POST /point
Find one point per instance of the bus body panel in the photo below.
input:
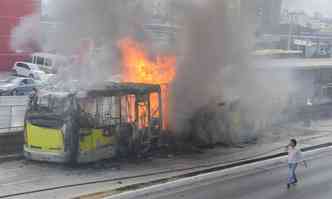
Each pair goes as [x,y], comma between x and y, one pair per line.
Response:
[95,145]
[94,139]
[46,144]
[45,139]
[44,156]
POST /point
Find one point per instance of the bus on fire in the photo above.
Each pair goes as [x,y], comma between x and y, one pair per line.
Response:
[82,127]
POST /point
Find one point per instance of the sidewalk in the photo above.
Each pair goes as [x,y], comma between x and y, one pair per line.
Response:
[21,176]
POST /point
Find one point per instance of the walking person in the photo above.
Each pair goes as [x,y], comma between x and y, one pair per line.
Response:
[294,158]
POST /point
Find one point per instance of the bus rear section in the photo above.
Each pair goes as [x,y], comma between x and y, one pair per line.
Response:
[48,123]
[54,131]
[45,144]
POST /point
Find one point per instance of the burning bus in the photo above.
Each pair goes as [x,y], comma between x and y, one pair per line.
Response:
[93,124]
[87,126]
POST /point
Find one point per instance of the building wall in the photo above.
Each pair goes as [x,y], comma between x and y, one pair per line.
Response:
[269,12]
[11,11]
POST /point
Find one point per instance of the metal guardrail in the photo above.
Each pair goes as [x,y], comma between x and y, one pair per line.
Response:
[12,111]
[14,100]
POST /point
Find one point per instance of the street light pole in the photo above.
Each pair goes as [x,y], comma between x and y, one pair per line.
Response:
[290,32]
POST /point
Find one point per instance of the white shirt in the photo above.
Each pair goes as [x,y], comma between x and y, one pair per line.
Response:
[294,155]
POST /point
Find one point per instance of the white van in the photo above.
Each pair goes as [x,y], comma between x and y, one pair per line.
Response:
[48,62]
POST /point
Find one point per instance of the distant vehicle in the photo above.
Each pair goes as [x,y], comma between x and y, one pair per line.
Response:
[17,86]
[39,64]
[26,69]
[48,62]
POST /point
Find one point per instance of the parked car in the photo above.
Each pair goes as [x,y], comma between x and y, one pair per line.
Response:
[17,86]
[26,69]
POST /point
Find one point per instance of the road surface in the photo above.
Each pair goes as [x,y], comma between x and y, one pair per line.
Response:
[23,176]
[263,182]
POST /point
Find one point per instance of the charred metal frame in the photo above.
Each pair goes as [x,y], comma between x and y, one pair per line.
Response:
[126,89]
[137,140]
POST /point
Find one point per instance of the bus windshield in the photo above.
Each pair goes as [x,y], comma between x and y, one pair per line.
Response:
[51,105]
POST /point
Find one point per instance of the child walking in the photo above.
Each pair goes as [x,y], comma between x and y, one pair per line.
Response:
[294,158]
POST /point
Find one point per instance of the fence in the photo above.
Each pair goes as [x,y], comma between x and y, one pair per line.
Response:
[12,111]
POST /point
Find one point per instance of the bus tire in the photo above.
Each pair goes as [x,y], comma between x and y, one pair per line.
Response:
[72,144]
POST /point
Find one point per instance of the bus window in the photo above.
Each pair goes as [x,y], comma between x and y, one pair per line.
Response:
[143,111]
[34,60]
[88,112]
[128,109]
[40,61]
[154,105]
[48,62]
[108,111]
[100,112]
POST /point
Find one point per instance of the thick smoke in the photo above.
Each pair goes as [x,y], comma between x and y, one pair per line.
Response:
[87,32]
[213,41]
[27,37]
[215,82]
[220,95]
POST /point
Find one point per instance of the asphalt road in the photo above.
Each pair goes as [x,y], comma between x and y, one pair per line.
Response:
[263,182]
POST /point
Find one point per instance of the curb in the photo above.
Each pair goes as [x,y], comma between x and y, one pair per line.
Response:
[11,157]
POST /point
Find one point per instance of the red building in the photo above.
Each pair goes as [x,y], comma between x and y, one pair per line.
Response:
[11,11]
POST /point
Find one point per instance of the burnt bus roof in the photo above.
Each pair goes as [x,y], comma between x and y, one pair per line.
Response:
[125,89]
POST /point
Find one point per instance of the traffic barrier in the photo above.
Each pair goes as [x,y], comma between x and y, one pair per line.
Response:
[12,111]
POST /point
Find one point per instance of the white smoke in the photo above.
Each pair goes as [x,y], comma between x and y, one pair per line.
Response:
[27,36]
[88,30]
[214,47]
[214,38]
[218,94]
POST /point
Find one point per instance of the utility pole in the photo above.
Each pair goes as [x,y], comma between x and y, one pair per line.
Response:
[291,17]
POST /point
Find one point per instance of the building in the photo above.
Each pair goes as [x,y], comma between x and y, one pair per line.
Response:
[297,83]
[304,20]
[11,11]
[269,13]
[318,24]
[298,18]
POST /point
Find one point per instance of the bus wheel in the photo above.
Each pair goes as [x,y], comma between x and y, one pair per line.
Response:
[71,144]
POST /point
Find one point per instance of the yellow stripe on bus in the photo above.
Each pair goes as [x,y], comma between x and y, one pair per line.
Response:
[94,140]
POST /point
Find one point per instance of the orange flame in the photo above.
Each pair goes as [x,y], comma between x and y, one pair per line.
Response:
[139,68]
